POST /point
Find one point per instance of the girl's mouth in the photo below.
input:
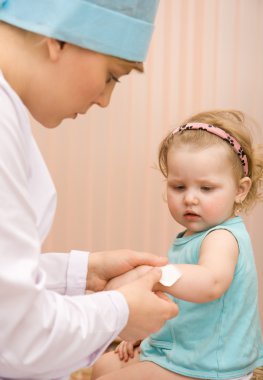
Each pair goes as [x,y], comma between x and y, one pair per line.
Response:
[190,215]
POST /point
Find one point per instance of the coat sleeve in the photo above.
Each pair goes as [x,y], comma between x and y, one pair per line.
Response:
[65,273]
[43,334]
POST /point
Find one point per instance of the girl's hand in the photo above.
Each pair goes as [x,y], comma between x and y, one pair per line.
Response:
[126,350]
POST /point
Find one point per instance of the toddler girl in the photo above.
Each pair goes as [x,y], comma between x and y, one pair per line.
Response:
[213,172]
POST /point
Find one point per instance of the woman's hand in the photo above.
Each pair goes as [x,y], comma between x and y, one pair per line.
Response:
[103,266]
[127,277]
[148,311]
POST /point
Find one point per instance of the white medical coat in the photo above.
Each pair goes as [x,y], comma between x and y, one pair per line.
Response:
[48,326]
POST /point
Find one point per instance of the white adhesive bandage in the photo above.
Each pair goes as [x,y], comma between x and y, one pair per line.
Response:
[170,274]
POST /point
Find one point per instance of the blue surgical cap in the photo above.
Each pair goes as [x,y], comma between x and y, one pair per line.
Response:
[121,28]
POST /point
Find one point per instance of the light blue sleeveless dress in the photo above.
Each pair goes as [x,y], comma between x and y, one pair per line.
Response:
[214,340]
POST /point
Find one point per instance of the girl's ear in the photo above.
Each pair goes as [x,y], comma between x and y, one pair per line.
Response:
[55,49]
[243,189]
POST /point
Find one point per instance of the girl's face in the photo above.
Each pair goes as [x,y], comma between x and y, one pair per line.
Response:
[201,187]
[70,81]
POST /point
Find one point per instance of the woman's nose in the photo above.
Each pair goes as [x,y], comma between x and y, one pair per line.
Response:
[104,98]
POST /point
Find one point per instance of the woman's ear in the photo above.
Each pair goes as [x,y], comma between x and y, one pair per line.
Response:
[55,48]
[243,189]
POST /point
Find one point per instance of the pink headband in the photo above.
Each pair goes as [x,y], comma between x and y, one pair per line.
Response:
[221,133]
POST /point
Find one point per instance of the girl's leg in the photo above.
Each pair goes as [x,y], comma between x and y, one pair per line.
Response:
[143,371]
[110,362]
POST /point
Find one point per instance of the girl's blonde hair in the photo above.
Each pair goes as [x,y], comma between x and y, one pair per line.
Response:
[234,123]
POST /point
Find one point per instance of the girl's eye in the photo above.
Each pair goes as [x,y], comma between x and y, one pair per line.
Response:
[179,188]
[206,188]
[112,77]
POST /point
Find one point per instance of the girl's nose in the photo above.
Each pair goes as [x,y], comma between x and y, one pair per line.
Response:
[191,198]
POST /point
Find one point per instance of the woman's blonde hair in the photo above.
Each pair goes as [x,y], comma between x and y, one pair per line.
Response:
[234,123]
[130,65]
[138,66]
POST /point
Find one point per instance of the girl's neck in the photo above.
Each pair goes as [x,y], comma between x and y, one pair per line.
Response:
[188,232]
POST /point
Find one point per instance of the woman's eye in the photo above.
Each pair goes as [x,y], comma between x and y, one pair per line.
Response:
[112,77]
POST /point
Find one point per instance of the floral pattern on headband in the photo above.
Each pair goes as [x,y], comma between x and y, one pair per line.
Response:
[223,135]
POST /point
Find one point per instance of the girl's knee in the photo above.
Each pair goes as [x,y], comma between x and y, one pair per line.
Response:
[111,362]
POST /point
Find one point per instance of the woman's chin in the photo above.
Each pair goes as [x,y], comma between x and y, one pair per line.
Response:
[50,123]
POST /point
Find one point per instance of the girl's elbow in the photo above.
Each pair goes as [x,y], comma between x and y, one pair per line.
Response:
[215,291]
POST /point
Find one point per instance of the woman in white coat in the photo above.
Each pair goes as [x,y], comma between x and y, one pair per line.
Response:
[57,59]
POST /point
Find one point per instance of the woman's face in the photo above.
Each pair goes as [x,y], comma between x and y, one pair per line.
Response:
[69,81]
